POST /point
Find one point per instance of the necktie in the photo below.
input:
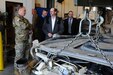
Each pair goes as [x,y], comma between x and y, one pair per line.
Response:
[69,26]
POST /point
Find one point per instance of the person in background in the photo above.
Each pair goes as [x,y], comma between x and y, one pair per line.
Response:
[22,30]
[39,34]
[71,25]
[34,21]
[53,25]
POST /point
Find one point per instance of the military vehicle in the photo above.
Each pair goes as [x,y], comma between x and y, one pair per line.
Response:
[88,53]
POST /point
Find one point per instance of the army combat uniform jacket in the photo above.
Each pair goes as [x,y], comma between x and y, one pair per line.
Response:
[22,28]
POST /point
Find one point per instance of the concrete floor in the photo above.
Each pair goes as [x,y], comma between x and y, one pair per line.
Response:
[9,70]
[9,64]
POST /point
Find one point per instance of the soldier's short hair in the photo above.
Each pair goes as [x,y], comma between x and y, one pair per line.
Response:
[20,7]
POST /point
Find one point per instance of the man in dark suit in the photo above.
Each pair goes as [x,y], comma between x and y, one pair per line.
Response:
[53,25]
[39,34]
[71,25]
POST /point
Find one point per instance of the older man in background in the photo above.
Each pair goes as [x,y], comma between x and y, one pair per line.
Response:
[71,25]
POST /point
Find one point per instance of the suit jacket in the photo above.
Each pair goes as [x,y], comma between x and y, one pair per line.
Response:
[74,27]
[38,32]
[58,27]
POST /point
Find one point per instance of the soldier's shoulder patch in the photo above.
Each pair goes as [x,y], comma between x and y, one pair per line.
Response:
[17,18]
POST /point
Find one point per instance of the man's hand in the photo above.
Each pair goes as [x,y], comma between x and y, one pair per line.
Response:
[50,34]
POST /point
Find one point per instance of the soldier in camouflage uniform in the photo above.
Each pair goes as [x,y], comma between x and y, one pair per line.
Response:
[22,31]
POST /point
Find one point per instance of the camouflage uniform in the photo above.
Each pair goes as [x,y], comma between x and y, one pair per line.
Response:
[22,28]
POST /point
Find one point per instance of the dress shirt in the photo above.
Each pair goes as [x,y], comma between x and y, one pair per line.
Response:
[53,22]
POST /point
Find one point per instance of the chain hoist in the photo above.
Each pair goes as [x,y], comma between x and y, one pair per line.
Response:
[95,42]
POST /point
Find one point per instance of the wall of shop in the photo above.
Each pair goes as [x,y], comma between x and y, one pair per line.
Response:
[66,6]
[3,4]
[41,3]
[28,4]
[63,7]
